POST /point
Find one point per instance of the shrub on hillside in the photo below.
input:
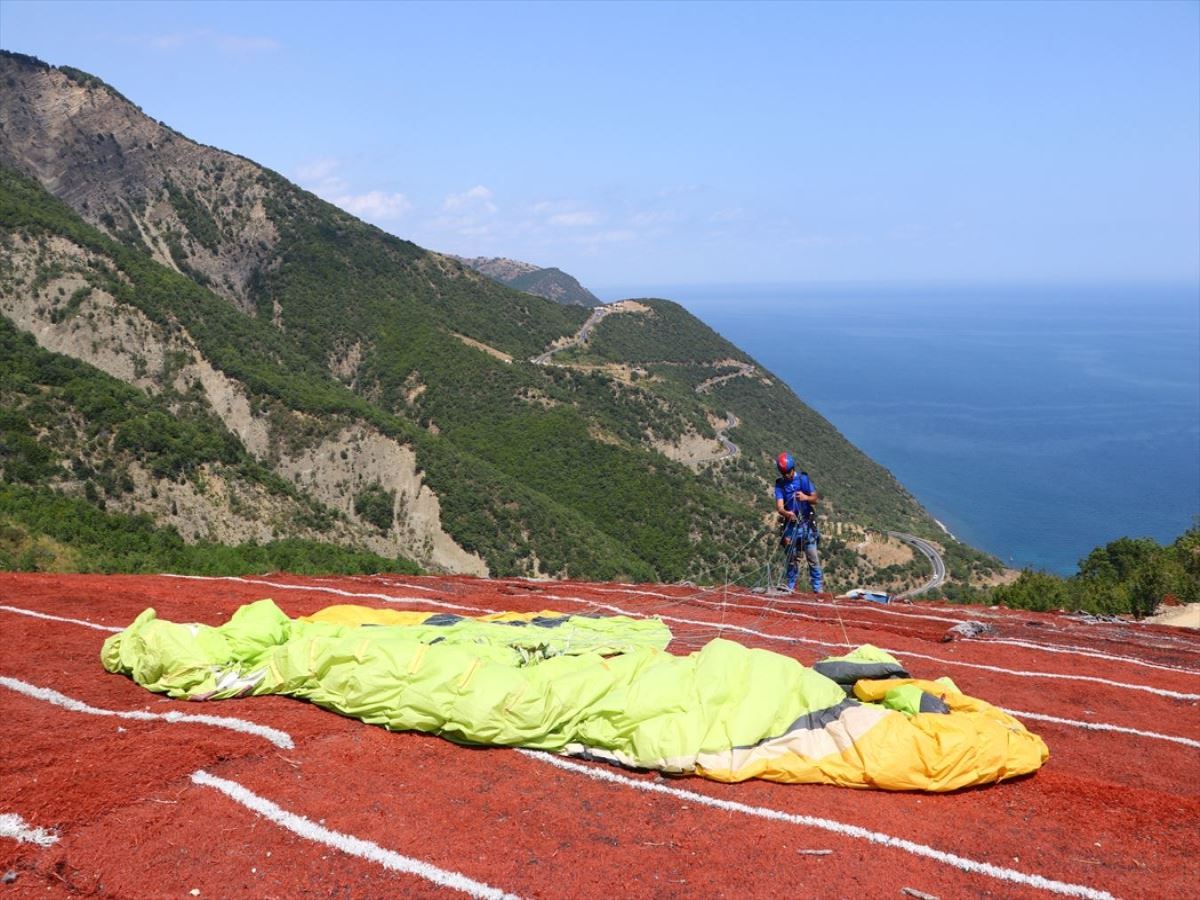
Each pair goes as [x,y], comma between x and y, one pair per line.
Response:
[375,505]
[1128,575]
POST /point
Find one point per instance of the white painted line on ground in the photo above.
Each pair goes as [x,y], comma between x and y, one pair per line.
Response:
[961,863]
[274,735]
[712,626]
[1030,645]
[1020,673]
[844,603]
[1103,726]
[676,598]
[1081,651]
[411,587]
[346,843]
[387,598]
[773,605]
[40,615]
[13,826]
[823,620]
[901,653]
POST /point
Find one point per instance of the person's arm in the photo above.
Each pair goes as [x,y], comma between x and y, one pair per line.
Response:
[779,507]
[811,496]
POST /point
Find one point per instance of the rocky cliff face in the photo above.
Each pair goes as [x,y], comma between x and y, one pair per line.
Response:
[201,212]
[551,283]
[499,268]
[46,293]
[195,209]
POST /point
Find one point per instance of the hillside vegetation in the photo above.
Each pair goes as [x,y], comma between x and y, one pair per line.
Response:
[1128,575]
[250,363]
[45,531]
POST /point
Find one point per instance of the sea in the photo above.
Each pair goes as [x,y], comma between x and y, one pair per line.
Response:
[1035,423]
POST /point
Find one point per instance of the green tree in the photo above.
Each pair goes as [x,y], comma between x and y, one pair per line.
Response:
[376,505]
[1118,560]
[1149,584]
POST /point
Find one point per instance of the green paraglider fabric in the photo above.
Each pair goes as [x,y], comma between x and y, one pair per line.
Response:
[603,687]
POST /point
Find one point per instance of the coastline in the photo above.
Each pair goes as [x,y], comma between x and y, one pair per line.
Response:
[900,373]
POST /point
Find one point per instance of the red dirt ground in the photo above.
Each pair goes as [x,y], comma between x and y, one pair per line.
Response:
[1114,812]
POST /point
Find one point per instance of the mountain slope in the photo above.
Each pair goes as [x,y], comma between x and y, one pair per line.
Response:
[387,384]
[551,283]
[499,268]
[82,293]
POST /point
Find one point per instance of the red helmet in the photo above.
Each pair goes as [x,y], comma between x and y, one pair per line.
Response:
[784,463]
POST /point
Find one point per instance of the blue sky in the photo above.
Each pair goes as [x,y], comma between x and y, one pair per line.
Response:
[698,143]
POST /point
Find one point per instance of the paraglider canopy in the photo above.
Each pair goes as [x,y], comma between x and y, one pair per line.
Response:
[601,687]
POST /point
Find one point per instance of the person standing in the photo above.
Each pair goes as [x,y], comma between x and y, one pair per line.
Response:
[794,499]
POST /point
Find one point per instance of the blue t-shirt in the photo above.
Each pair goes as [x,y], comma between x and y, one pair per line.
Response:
[786,490]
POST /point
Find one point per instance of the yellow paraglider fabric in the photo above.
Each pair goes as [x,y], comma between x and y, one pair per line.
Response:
[600,687]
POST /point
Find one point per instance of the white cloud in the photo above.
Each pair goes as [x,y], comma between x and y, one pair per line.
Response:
[477,231]
[318,170]
[679,190]
[321,177]
[612,236]
[470,213]
[239,44]
[821,241]
[651,218]
[476,200]
[374,205]
[573,219]
[162,41]
[734,214]
[562,214]
[205,37]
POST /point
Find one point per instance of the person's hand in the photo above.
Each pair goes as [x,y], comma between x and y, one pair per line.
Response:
[790,516]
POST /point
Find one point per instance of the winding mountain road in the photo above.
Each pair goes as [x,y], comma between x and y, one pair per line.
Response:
[746,370]
[732,450]
[579,337]
[931,553]
[743,370]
